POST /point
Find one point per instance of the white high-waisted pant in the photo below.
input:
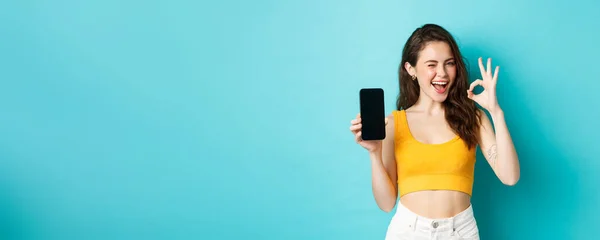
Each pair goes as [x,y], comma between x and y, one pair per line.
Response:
[407,225]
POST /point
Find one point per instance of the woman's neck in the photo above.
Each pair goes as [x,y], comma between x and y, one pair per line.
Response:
[428,106]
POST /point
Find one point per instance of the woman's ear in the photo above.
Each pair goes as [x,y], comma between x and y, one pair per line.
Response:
[410,69]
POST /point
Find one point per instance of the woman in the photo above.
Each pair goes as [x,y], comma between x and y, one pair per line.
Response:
[428,156]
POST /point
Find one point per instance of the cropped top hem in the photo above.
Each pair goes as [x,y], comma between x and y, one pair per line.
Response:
[435,182]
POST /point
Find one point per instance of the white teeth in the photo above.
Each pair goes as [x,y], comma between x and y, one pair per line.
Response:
[439,83]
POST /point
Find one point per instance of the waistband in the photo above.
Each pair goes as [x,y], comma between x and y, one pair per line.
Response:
[419,222]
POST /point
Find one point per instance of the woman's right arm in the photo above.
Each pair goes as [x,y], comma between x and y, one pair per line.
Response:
[383,163]
[383,170]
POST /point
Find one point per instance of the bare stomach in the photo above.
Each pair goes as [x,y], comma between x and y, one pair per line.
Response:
[436,204]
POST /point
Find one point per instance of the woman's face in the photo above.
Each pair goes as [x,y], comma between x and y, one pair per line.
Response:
[435,71]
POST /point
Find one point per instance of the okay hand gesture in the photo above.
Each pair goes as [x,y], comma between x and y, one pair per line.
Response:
[486,99]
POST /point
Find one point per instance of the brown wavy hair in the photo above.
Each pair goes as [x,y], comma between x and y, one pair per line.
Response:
[461,112]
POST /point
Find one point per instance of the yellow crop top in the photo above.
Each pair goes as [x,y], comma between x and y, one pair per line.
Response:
[420,166]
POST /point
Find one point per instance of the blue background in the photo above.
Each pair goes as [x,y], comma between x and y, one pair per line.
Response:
[229,119]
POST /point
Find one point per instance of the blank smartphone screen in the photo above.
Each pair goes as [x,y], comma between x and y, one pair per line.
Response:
[372,112]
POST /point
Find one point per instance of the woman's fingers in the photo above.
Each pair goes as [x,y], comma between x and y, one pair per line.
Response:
[356,127]
[486,71]
[489,67]
[355,124]
[481,67]
[474,84]
[496,73]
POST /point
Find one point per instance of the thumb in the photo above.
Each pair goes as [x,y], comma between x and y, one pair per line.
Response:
[475,84]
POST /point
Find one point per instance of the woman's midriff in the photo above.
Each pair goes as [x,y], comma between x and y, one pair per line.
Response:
[436,203]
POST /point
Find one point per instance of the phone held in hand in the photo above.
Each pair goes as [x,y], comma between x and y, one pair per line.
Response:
[372,113]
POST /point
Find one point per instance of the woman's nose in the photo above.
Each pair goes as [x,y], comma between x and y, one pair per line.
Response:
[441,72]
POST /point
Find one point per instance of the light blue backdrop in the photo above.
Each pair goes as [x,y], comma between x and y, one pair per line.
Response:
[229,120]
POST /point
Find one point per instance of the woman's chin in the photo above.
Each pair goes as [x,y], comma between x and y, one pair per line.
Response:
[438,97]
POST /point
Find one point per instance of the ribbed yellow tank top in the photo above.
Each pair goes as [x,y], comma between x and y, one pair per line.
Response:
[420,166]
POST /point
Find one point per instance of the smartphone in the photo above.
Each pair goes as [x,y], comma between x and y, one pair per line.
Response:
[372,113]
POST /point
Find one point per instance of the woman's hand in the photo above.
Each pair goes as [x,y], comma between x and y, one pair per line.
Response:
[356,129]
[486,99]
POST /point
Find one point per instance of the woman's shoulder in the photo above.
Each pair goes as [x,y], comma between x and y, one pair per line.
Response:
[395,119]
[394,114]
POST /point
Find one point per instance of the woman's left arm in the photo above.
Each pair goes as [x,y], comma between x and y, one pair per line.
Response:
[497,146]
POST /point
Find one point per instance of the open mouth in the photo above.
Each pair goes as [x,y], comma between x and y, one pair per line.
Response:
[440,86]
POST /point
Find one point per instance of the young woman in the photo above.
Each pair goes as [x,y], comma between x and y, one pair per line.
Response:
[428,156]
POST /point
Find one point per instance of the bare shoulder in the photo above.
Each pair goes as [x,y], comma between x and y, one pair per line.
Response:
[481,112]
[390,116]
[389,127]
